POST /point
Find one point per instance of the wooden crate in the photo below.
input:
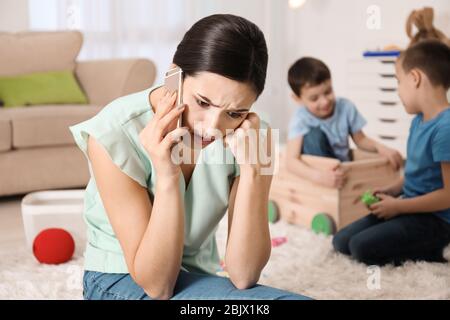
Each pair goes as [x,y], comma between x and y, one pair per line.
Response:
[298,200]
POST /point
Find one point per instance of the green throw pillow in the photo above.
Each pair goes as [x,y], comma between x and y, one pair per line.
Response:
[55,87]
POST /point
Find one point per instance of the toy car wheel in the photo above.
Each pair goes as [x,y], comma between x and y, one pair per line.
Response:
[273,212]
[323,223]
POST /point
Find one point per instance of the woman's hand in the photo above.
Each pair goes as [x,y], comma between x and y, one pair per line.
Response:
[248,244]
[161,134]
[386,208]
[247,144]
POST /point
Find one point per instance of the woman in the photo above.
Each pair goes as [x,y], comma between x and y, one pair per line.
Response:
[151,222]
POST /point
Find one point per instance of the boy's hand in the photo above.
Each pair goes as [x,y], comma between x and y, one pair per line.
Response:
[386,208]
[394,157]
[393,190]
[386,190]
[334,178]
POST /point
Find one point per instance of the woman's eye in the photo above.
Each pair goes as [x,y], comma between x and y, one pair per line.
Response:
[235,115]
[202,103]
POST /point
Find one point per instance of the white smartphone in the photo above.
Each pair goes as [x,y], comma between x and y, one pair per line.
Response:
[174,82]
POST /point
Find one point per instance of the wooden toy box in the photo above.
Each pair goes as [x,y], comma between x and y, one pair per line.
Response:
[298,200]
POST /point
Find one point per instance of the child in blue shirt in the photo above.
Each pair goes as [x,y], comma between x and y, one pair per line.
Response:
[415,226]
[322,125]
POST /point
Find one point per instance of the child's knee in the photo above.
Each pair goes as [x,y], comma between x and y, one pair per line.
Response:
[340,243]
[362,251]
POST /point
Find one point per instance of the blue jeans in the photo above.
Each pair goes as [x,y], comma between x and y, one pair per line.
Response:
[374,241]
[316,143]
[189,286]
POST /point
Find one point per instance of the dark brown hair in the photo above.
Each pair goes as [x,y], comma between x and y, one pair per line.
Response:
[432,57]
[227,45]
[307,71]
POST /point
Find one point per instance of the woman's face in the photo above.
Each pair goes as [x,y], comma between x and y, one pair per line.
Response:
[215,104]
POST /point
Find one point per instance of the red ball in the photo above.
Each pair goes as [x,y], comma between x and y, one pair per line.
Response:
[53,246]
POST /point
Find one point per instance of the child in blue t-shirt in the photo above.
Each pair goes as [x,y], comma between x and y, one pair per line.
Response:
[322,125]
[415,226]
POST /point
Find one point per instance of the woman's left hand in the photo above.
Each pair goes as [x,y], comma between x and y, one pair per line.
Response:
[248,145]
[386,208]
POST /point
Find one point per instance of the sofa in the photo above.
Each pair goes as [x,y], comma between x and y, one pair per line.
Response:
[37,151]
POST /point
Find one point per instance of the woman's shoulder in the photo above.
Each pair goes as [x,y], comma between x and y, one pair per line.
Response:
[115,117]
[116,127]
[126,108]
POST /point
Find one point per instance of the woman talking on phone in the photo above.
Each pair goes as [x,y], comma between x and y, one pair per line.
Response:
[152,222]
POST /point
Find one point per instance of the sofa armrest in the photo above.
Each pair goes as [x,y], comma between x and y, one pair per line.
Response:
[106,80]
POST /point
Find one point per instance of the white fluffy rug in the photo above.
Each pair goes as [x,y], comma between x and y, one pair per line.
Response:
[304,264]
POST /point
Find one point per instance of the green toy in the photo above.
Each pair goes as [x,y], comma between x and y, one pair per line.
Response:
[369,199]
[322,223]
[273,212]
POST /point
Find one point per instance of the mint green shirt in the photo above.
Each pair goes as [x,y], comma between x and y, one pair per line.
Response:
[116,127]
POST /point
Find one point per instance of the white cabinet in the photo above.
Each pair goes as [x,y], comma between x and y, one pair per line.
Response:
[372,86]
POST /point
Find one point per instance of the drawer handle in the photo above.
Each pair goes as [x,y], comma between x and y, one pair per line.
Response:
[388,103]
[383,137]
[388,120]
[388,89]
[387,75]
[387,61]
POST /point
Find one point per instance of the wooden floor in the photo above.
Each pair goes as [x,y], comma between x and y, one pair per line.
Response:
[11,227]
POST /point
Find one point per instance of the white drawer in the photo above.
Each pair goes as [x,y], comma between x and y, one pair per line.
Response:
[363,102]
[384,112]
[396,143]
[390,131]
[370,80]
[376,95]
[372,65]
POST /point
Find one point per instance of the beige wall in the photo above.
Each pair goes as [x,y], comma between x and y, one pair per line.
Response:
[332,30]
[13,15]
[336,31]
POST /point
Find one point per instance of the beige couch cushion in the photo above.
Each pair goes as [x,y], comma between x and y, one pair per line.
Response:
[28,52]
[5,134]
[33,169]
[40,126]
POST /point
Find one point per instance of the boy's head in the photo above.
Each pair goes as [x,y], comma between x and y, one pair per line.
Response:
[310,81]
[422,69]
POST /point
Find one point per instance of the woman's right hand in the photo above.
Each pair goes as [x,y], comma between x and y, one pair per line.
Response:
[161,133]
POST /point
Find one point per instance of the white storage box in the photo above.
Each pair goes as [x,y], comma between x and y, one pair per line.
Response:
[55,209]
